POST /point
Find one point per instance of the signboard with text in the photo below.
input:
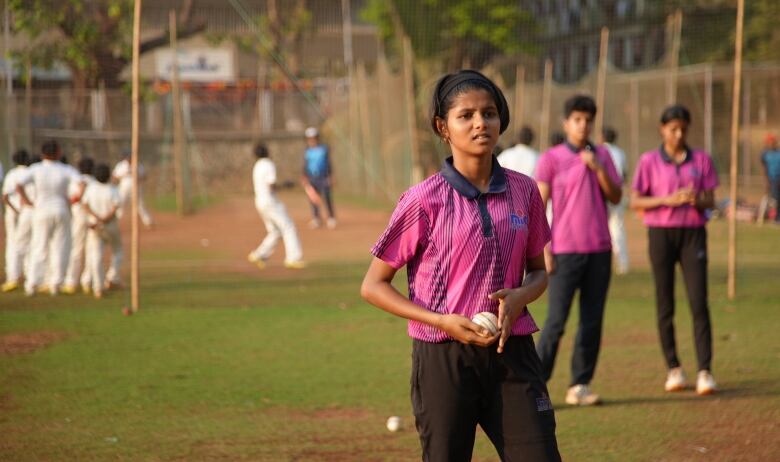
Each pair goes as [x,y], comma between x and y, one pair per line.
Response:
[197,64]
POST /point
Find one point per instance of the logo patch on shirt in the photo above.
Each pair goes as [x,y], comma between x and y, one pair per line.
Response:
[694,172]
[518,222]
[544,404]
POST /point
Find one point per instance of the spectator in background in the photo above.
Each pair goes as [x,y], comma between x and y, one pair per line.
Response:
[521,157]
[617,212]
[51,233]
[78,231]
[770,158]
[123,176]
[317,178]
[17,227]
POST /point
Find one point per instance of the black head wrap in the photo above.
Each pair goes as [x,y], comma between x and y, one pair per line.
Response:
[450,82]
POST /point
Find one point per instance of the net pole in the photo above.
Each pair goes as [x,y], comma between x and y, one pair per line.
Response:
[635,112]
[708,109]
[519,95]
[178,164]
[674,62]
[544,131]
[601,82]
[732,254]
[135,235]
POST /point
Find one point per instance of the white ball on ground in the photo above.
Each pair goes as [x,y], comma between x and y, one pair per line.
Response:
[487,320]
[394,423]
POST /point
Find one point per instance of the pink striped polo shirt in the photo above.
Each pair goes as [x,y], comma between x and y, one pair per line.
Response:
[460,245]
[579,207]
[657,175]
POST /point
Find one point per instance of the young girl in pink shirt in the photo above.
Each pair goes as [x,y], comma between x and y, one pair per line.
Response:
[674,185]
[472,239]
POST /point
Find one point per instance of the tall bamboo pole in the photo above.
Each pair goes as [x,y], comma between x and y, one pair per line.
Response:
[135,237]
[708,109]
[411,118]
[732,264]
[519,95]
[544,131]
[601,82]
[635,113]
[674,62]
[178,161]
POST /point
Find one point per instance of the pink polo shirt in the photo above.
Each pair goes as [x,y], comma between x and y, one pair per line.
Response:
[578,204]
[460,245]
[657,175]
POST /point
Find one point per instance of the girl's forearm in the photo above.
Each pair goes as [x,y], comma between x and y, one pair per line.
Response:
[383,295]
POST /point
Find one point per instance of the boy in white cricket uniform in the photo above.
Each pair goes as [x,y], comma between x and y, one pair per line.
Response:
[123,175]
[15,245]
[51,217]
[617,212]
[101,203]
[277,223]
[78,231]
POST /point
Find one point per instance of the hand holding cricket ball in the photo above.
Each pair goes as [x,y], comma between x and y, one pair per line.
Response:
[511,304]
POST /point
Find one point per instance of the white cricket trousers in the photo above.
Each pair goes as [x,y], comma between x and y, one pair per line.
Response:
[78,231]
[50,237]
[97,240]
[617,231]
[17,242]
[278,225]
[125,194]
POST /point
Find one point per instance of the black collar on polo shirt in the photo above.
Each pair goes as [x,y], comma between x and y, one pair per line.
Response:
[667,158]
[468,190]
[575,150]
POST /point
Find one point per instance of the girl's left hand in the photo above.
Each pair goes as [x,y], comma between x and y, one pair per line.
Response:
[511,303]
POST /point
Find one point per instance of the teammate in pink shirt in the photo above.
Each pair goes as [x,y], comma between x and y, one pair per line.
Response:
[580,178]
[674,186]
[472,238]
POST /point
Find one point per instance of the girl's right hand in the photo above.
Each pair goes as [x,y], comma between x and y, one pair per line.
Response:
[465,331]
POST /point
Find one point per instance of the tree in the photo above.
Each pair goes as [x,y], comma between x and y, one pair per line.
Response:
[91,37]
[459,33]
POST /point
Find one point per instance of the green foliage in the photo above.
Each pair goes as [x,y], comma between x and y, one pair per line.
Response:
[92,37]
[458,32]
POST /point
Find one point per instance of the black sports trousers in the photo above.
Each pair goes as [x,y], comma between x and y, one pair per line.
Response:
[455,387]
[590,274]
[688,246]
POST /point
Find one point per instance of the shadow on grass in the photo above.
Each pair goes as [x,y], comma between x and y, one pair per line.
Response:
[753,389]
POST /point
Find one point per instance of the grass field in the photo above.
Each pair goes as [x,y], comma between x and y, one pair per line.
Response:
[228,363]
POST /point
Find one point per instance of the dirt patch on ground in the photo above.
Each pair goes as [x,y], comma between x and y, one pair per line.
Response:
[28,342]
[221,236]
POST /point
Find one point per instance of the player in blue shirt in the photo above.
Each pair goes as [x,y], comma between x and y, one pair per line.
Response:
[771,161]
[317,178]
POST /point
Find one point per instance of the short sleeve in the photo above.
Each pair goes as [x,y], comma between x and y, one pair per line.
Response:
[406,234]
[270,173]
[709,176]
[538,228]
[545,169]
[26,177]
[9,184]
[642,178]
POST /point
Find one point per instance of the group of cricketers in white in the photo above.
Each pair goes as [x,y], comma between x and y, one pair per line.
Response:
[59,220]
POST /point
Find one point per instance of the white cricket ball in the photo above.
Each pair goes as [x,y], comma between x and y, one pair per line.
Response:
[487,320]
[394,423]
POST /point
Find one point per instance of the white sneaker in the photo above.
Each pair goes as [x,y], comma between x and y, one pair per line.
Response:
[705,384]
[315,223]
[676,380]
[581,395]
[331,223]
